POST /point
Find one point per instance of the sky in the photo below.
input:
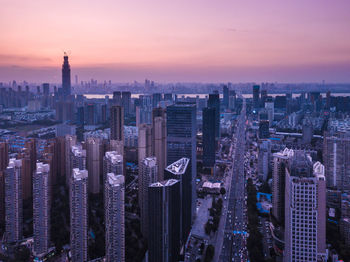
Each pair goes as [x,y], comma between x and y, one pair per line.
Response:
[176,41]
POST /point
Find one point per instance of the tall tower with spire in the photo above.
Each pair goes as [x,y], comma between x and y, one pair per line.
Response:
[66,83]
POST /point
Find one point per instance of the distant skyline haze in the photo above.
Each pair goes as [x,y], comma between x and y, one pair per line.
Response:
[176,41]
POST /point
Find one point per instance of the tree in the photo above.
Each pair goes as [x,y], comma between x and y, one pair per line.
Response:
[222,191]
[209,253]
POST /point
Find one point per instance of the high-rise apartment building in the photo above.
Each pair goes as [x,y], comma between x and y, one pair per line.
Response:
[93,155]
[180,170]
[336,157]
[114,217]
[41,209]
[208,137]
[79,215]
[117,123]
[66,82]
[4,160]
[164,221]
[112,163]
[181,140]
[148,175]
[305,210]
[78,157]
[13,201]
[68,143]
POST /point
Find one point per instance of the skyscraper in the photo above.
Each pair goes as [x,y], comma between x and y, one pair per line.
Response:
[336,157]
[214,102]
[117,123]
[4,159]
[144,141]
[225,91]
[180,170]
[79,215]
[305,210]
[256,96]
[77,160]
[148,175]
[41,209]
[126,102]
[66,83]
[68,143]
[208,137]
[159,140]
[112,163]
[181,139]
[114,217]
[164,221]
[13,201]
[280,162]
[93,155]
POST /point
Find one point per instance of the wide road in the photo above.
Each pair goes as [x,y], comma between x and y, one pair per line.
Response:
[233,247]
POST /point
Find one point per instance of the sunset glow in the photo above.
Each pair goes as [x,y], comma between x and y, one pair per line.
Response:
[176,40]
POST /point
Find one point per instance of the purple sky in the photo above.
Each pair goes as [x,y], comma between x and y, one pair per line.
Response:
[193,40]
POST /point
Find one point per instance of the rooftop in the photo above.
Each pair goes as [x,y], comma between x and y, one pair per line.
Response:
[165,183]
[41,167]
[150,161]
[178,167]
[114,157]
[78,151]
[114,180]
[13,162]
[79,174]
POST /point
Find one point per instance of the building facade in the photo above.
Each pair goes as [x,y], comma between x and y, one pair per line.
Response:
[114,217]
[41,209]
[79,215]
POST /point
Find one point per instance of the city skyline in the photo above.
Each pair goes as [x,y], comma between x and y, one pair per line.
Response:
[177,41]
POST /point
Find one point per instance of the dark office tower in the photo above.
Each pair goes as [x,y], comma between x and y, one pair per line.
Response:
[280,162]
[148,174]
[225,92]
[159,139]
[256,94]
[38,89]
[117,98]
[4,159]
[328,99]
[180,170]
[264,129]
[168,97]
[208,137]
[117,123]
[181,139]
[164,221]
[156,98]
[66,84]
[126,101]
[104,113]
[263,97]
[80,116]
[214,102]
[232,99]
[46,89]
[308,131]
